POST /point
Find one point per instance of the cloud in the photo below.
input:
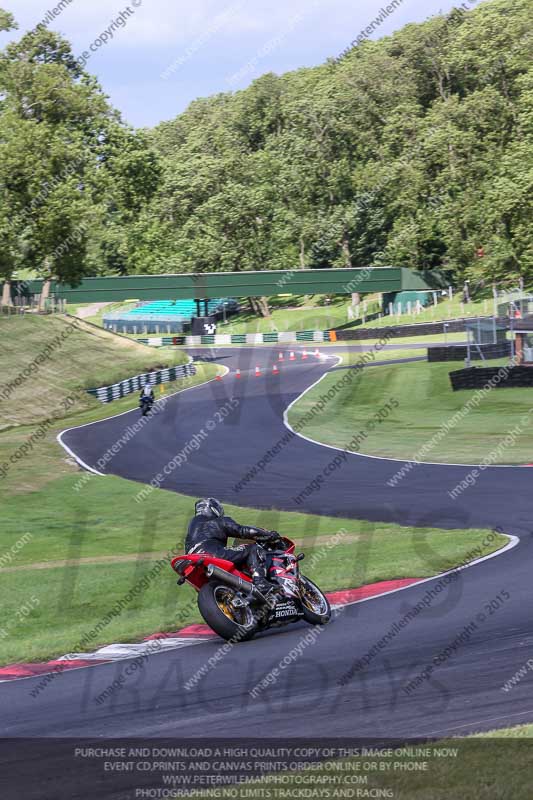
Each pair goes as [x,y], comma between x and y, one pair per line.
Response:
[206,46]
[158,22]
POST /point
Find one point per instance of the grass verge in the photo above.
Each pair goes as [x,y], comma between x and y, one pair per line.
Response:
[424,402]
[103,522]
[494,766]
[354,357]
[47,360]
[457,337]
[103,543]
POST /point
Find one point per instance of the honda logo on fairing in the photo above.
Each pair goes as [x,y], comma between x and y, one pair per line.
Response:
[286,610]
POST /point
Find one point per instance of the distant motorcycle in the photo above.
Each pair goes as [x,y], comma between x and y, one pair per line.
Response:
[235,609]
[145,404]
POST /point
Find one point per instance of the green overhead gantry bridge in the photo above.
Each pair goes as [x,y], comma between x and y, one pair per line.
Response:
[213,285]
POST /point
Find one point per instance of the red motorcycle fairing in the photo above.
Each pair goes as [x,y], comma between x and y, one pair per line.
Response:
[194,573]
[234,608]
[284,571]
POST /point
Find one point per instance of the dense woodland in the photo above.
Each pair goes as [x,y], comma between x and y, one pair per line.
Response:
[415,150]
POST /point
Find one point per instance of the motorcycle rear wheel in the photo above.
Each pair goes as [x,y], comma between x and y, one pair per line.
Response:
[315,604]
[214,602]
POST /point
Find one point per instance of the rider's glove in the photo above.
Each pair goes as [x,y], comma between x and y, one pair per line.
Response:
[266,536]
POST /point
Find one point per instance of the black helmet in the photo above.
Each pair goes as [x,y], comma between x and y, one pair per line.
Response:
[209,507]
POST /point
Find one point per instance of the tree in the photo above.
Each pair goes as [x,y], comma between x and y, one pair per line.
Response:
[68,164]
[412,150]
[7,21]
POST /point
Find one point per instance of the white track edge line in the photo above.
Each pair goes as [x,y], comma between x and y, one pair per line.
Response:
[378,458]
[514,540]
[82,463]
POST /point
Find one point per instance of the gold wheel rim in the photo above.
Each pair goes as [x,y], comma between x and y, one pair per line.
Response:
[226,609]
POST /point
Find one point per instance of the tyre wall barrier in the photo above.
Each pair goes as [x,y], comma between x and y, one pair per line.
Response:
[275,337]
[479,377]
[399,331]
[106,394]
[460,352]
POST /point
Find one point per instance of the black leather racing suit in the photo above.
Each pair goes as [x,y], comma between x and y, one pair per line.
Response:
[209,534]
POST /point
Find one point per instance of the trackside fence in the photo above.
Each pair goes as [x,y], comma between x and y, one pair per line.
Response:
[479,377]
[106,394]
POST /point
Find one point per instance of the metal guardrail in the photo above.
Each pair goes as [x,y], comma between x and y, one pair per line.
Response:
[106,394]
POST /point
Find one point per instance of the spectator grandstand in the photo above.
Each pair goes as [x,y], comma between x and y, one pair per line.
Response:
[165,316]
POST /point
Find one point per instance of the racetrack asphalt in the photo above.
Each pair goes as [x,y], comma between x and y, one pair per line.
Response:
[463,694]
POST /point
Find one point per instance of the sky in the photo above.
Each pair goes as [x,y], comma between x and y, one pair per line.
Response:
[162,54]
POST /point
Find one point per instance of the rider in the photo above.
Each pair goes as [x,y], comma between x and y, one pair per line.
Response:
[209,530]
[147,392]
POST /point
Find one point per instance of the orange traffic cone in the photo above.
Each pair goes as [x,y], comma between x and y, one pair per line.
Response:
[219,378]
[275,369]
[238,373]
[257,372]
[317,353]
[280,357]
[292,356]
[304,356]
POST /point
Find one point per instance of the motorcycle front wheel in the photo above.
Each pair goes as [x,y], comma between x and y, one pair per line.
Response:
[315,605]
[237,624]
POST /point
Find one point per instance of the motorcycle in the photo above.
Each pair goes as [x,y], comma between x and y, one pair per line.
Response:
[145,404]
[235,609]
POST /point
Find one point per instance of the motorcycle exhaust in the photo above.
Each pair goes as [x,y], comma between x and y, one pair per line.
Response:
[234,581]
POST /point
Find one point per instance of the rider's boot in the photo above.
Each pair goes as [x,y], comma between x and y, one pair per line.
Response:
[257,563]
[266,588]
